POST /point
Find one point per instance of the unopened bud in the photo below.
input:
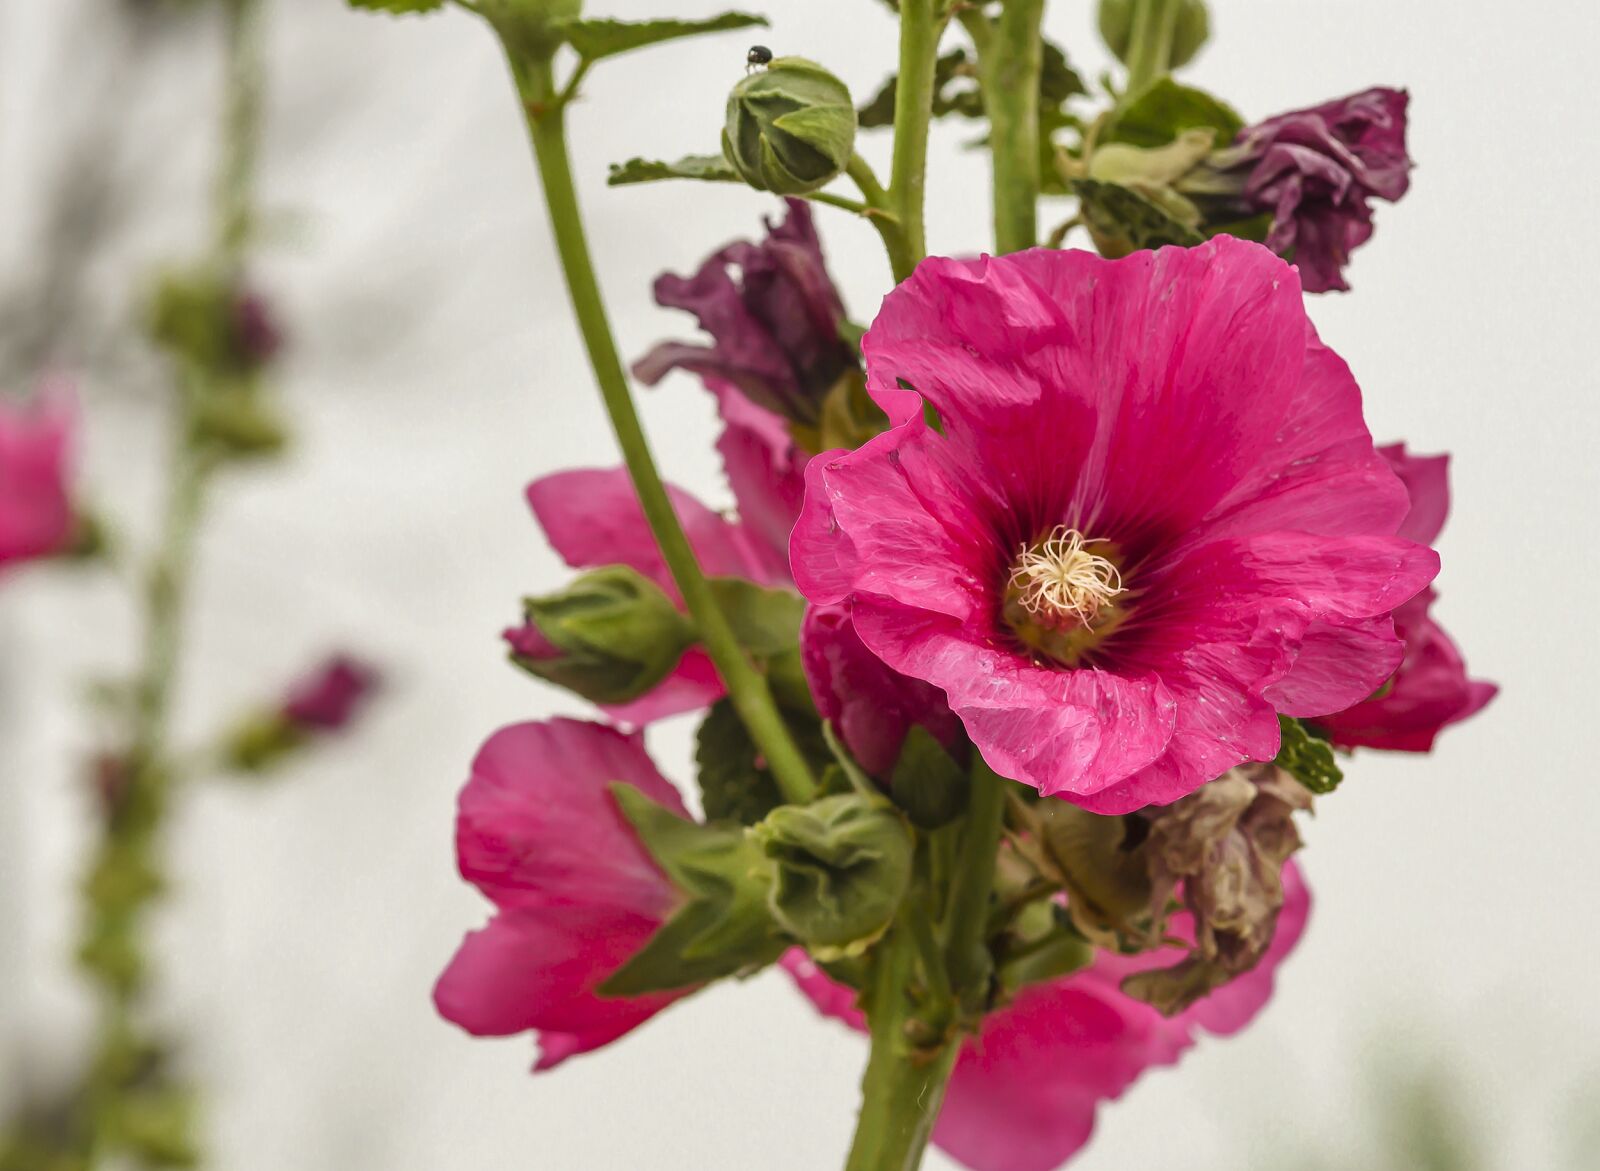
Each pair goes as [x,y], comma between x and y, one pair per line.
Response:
[790,128]
[611,636]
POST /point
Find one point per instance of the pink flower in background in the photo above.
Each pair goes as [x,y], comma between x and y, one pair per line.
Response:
[593,518]
[576,896]
[1150,519]
[775,320]
[871,705]
[1317,172]
[1430,689]
[1025,1089]
[329,698]
[36,516]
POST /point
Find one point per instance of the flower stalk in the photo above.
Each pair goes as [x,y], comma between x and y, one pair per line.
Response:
[1009,63]
[544,109]
[921,24]
[1155,25]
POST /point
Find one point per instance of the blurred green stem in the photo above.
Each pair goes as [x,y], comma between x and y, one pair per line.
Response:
[1009,64]
[545,114]
[1155,23]
[921,25]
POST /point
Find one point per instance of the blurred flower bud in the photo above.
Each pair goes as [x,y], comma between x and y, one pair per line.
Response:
[790,128]
[841,866]
[611,636]
[1193,27]
[322,702]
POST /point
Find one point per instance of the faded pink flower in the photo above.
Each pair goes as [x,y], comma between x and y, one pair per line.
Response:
[1318,170]
[329,698]
[1149,520]
[36,517]
[1025,1089]
[1430,689]
[592,517]
[576,896]
[775,320]
[871,705]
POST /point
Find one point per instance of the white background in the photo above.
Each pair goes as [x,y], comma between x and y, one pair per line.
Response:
[433,372]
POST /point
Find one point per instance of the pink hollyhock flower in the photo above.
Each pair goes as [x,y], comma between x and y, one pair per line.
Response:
[592,517]
[1317,172]
[1430,689]
[1150,517]
[1025,1089]
[871,705]
[576,896]
[36,516]
[328,699]
[776,327]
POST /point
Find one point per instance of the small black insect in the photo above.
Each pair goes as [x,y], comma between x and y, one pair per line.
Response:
[757,57]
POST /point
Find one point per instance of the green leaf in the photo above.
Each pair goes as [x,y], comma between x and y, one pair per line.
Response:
[1166,109]
[597,39]
[1058,80]
[706,168]
[399,7]
[765,621]
[723,927]
[1307,757]
[955,91]
[1123,220]
[928,783]
[732,786]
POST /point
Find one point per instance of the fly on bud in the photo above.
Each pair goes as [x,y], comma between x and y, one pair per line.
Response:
[791,127]
[757,57]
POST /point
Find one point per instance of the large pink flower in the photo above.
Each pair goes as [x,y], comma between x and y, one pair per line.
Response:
[1025,1089]
[592,517]
[36,516]
[1148,518]
[1430,689]
[575,894]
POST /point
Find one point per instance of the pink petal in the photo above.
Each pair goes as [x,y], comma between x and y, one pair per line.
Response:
[1427,481]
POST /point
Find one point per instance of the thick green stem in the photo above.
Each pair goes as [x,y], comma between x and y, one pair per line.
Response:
[1009,66]
[920,27]
[747,687]
[880,210]
[904,1085]
[971,885]
[1155,23]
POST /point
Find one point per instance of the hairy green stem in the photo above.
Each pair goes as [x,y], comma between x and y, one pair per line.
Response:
[545,114]
[903,1087]
[879,208]
[971,885]
[921,24]
[1155,23]
[1009,67]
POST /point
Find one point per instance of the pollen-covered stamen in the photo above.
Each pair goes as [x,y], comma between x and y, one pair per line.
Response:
[1059,581]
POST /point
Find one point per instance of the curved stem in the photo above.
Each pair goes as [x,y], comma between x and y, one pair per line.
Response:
[879,208]
[747,688]
[1009,66]
[920,28]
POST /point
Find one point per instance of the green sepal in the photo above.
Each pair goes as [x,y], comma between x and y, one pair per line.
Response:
[398,7]
[260,742]
[706,168]
[598,39]
[1165,110]
[928,783]
[1123,220]
[841,866]
[615,632]
[723,926]
[1307,757]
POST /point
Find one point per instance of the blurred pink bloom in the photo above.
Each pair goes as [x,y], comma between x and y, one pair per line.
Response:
[329,698]
[36,438]
[1149,520]
[256,332]
[576,896]
[871,705]
[593,518]
[1025,1089]
[1317,172]
[1430,689]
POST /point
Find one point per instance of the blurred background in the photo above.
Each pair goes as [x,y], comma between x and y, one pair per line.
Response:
[1446,984]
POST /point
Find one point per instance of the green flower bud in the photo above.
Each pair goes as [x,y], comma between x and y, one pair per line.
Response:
[791,127]
[840,868]
[611,636]
[1194,26]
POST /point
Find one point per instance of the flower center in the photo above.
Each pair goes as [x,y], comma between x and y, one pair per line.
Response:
[1062,596]
[1061,583]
